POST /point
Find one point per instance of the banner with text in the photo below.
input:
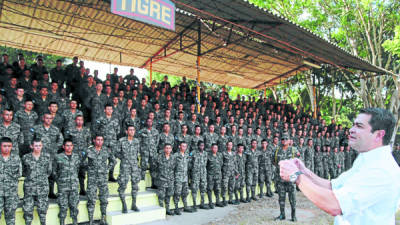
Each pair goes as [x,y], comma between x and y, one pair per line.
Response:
[156,12]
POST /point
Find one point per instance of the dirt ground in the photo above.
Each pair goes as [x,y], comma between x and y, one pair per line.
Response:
[264,210]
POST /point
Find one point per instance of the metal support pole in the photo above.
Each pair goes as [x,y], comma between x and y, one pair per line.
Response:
[198,84]
[315,98]
[151,71]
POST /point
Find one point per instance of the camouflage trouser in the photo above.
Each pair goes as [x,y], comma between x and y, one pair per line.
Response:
[333,172]
[111,144]
[214,183]
[9,204]
[239,183]
[251,179]
[102,186]
[148,161]
[264,177]
[181,190]
[126,172]
[228,183]
[326,172]
[319,170]
[199,181]
[283,188]
[67,199]
[165,190]
[42,204]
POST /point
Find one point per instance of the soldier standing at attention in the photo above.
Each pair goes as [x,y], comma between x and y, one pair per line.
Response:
[109,126]
[99,160]
[214,175]
[229,173]
[265,170]
[309,155]
[252,156]
[36,169]
[52,140]
[149,137]
[318,161]
[26,118]
[128,153]
[181,187]
[283,153]
[199,175]
[81,138]
[10,171]
[165,165]
[67,165]
[241,168]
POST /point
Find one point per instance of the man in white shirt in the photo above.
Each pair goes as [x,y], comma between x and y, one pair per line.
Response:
[369,192]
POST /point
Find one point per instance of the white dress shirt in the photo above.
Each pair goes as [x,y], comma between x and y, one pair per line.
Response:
[369,192]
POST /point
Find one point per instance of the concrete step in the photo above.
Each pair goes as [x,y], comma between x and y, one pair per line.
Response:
[146,214]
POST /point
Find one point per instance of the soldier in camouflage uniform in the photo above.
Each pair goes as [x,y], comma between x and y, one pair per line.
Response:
[165,164]
[10,171]
[211,137]
[341,160]
[81,138]
[214,175]
[198,172]
[181,187]
[229,173]
[318,161]
[196,138]
[128,153]
[67,165]
[283,153]
[309,155]
[26,118]
[183,136]
[57,117]
[12,130]
[70,115]
[252,156]
[52,140]
[36,170]
[265,169]
[149,136]
[109,126]
[335,162]
[165,137]
[131,119]
[99,161]
[97,102]
[223,138]
[241,169]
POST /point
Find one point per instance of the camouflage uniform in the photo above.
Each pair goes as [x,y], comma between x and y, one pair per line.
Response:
[187,139]
[318,163]
[251,173]
[214,177]
[128,153]
[13,131]
[81,140]
[10,171]
[265,171]
[326,162]
[209,139]
[348,160]
[222,140]
[309,157]
[26,121]
[240,181]
[229,172]
[335,164]
[148,151]
[199,175]
[110,128]
[195,141]
[99,163]
[58,121]
[97,103]
[282,186]
[165,179]
[163,139]
[181,187]
[36,186]
[66,173]
[69,119]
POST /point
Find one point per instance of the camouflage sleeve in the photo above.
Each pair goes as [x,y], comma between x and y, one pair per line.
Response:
[60,140]
[111,161]
[118,152]
[21,138]
[19,172]
[50,167]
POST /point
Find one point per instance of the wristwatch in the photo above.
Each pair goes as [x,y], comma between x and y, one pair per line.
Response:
[293,177]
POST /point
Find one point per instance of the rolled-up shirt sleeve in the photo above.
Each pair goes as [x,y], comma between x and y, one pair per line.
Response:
[361,190]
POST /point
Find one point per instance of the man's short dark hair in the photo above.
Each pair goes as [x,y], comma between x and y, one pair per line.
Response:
[381,119]
[5,140]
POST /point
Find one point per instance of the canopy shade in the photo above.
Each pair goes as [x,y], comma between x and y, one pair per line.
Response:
[239,44]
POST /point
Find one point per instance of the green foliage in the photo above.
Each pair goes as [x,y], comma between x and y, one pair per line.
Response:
[393,46]
[30,57]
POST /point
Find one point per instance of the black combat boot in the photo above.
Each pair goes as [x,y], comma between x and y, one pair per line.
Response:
[282,216]
[218,202]
[294,219]
[168,211]
[176,202]
[62,222]
[133,205]
[185,206]
[237,201]
[261,195]
[103,220]
[194,205]
[202,204]
[51,190]
[269,192]
[242,197]
[253,194]
[230,198]
[210,201]
[248,199]
[74,221]
[123,202]
[224,201]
